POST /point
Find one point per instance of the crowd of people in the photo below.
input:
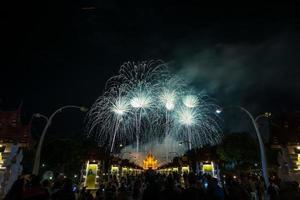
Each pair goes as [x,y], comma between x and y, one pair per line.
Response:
[153,186]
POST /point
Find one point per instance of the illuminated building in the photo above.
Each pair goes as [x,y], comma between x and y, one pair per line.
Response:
[285,138]
[208,167]
[114,170]
[150,162]
[185,169]
[13,137]
[91,174]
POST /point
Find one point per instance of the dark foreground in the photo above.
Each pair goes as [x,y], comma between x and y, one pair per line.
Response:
[152,186]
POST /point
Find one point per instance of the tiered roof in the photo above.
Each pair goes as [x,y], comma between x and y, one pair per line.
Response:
[11,128]
[150,162]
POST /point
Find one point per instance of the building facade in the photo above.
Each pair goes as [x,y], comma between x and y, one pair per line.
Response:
[285,138]
[14,136]
[150,162]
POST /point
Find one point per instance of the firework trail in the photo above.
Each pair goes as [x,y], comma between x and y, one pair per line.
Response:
[142,81]
[111,114]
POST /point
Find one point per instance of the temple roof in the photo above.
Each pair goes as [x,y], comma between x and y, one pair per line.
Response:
[150,156]
[11,128]
[9,117]
[150,162]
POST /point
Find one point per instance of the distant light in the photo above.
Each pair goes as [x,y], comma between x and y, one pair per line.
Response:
[268,114]
[218,111]
[75,175]
[121,145]
[234,177]
[83,109]
[43,165]
[298,147]
[50,177]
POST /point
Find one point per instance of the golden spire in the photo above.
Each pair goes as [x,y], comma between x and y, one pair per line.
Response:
[150,162]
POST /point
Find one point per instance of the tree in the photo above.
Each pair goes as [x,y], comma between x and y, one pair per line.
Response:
[28,159]
[239,148]
[204,153]
[66,155]
[63,156]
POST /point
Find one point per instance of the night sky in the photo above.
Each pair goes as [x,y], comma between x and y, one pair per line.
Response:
[62,52]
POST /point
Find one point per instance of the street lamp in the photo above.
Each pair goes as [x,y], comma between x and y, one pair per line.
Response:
[266,114]
[37,159]
[218,111]
[38,115]
[260,141]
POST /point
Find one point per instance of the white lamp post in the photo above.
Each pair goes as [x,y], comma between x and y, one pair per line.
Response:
[37,159]
[260,141]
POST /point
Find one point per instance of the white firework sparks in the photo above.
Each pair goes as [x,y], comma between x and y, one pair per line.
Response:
[145,101]
[190,101]
[168,98]
[199,124]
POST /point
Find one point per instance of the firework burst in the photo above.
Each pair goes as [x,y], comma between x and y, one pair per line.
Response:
[197,122]
[145,101]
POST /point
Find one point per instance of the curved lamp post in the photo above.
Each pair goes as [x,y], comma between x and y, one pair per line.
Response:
[37,159]
[260,141]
